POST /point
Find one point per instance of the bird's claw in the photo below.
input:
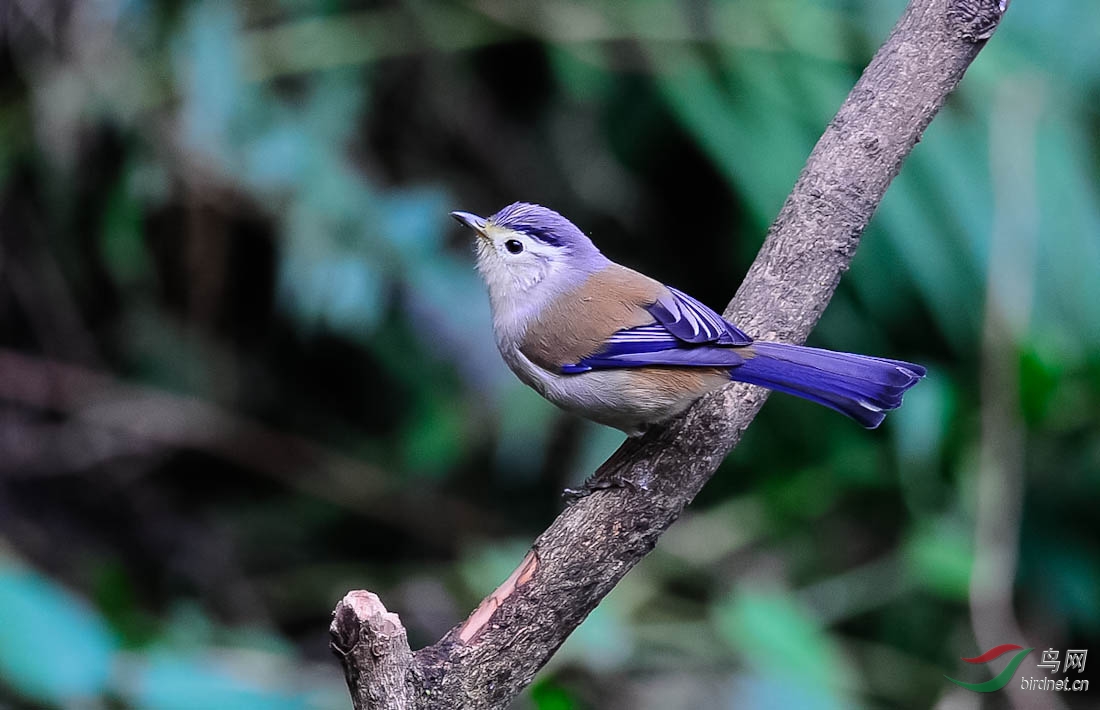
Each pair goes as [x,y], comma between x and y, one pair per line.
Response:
[601,483]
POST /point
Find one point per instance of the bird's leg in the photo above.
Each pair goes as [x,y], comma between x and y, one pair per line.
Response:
[609,475]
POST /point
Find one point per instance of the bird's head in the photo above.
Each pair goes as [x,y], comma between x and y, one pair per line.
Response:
[525,246]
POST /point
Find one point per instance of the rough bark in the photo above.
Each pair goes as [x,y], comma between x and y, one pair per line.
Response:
[485,661]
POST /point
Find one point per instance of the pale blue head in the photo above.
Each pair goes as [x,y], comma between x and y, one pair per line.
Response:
[526,245]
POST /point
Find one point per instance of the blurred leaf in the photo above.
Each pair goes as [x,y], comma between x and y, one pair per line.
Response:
[185,682]
[756,130]
[920,426]
[724,128]
[115,596]
[433,440]
[413,221]
[1075,585]
[704,537]
[1070,572]
[804,496]
[1067,298]
[603,642]
[189,627]
[14,137]
[778,638]
[1040,378]
[940,557]
[940,267]
[122,235]
[54,648]
[525,425]
[198,664]
[854,456]
[444,300]
[581,72]
[208,65]
[548,695]
[919,431]
[774,691]
[278,159]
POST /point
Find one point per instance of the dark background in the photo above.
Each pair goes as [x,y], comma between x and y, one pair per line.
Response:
[246,362]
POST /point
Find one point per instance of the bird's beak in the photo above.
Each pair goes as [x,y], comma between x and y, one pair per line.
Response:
[472,221]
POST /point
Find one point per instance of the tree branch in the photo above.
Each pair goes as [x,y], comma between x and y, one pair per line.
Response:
[495,653]
[378,657]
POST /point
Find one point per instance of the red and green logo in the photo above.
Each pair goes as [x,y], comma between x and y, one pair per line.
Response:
[1001,679]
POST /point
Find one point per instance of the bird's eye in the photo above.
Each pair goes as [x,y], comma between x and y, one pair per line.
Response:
[514,246]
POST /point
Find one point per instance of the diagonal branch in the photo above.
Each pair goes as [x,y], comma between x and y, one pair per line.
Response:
[495,653]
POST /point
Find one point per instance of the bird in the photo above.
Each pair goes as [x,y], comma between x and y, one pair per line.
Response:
[617,347]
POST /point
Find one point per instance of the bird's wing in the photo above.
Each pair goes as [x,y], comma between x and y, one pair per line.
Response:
[692,322]
[686,333]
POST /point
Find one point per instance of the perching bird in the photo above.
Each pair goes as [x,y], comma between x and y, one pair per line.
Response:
[622,349]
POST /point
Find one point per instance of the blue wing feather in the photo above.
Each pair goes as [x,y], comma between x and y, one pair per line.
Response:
[687,333]
[693,322]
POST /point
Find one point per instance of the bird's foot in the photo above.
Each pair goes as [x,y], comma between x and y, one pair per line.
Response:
[598,482]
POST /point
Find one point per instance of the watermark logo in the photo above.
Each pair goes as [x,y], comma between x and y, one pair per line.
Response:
[1075,661]
[1001,679]
[1050,660]
[1075,658]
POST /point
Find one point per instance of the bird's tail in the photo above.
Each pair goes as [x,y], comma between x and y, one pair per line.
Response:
[860,386]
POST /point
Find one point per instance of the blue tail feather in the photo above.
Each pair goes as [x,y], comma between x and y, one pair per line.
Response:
[859,386]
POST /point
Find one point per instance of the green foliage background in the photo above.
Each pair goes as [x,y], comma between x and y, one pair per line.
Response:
[230,220]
